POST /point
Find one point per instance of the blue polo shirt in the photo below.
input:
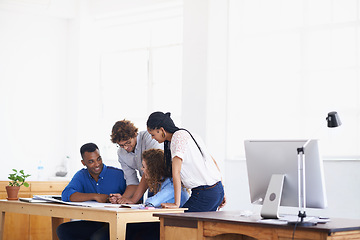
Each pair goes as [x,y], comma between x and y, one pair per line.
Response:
[111,180]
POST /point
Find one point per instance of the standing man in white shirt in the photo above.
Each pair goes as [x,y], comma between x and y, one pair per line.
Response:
[131,145]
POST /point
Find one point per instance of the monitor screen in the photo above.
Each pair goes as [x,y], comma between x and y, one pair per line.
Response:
[267,157]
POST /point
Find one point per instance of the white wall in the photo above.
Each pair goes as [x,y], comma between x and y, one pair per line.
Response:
[50,77]
[34,90]
[342,178]
[205,73]
[46,56]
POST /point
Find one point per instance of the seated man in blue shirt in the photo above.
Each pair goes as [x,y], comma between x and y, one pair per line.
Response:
[95,182]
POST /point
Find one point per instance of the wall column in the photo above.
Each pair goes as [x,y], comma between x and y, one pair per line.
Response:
[205,72]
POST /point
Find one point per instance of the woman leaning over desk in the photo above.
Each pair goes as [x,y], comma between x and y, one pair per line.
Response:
[191,164]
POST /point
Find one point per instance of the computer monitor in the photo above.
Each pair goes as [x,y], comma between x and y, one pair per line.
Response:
[267,158]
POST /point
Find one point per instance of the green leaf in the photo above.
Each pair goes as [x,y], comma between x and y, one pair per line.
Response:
[18,178]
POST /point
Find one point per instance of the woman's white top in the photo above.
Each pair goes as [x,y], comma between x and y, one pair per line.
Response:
[196,169]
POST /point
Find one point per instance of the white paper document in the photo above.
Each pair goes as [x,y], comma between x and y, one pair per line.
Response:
[32,200]
[57,199]
[50,199]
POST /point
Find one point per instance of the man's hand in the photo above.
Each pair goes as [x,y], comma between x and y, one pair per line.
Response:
[123,200]
[114,197]
[169,205]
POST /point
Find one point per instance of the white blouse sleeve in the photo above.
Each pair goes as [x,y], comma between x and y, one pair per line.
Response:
[179,144]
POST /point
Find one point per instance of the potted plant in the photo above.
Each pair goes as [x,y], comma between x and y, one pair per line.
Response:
[17,179]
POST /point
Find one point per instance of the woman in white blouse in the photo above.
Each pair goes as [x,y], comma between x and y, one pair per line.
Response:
[190,163]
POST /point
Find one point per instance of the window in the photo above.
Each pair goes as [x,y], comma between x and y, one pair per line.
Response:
[140,69]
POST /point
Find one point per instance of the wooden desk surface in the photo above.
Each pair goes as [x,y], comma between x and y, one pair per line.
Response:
[116,217]
[334,225]
[213,223]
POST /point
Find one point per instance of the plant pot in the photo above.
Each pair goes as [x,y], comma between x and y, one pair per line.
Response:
[12,192]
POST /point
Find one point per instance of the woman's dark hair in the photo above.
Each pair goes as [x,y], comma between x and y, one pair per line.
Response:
[159,120]
[88,147]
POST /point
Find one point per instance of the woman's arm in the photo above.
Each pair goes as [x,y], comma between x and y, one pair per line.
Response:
[223,203]
[129,191]
[215,163]
[140,190]
[165,194]
[176,168]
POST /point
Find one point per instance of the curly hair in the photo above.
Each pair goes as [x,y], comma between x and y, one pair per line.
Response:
[123,131]
[154,159]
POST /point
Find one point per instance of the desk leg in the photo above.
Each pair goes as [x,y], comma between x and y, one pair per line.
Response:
[117,230]
[200,230]
[55,222]
[162,229]
[2,223]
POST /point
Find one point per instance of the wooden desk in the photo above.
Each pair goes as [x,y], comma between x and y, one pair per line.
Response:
[30,227]
[230,225]
[116,217]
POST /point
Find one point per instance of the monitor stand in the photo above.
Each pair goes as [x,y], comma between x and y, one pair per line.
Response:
[271,203]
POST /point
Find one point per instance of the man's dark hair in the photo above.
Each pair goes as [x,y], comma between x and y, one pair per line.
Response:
[88,147]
